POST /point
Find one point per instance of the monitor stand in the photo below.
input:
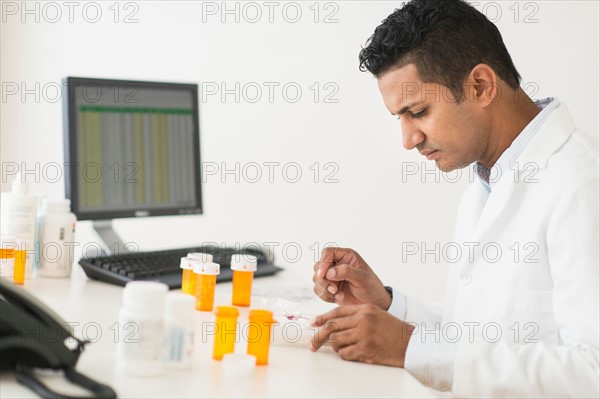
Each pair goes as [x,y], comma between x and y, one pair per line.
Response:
[110,242]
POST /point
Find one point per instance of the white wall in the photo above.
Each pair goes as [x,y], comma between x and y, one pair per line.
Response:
[370,208]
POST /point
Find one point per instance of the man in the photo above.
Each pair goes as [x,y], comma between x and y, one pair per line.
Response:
[520,322]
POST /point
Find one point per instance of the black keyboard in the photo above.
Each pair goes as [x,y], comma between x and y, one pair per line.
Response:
[163,266]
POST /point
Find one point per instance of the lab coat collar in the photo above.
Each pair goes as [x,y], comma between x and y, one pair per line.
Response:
[550,137]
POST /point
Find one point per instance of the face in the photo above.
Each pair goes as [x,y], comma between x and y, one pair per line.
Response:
[453,134]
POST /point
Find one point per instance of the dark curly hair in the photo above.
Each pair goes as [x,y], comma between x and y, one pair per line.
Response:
[445,39]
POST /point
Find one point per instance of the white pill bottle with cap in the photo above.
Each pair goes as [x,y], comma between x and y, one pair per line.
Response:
[18,218]
[141,328]
[56,235]
[179,328]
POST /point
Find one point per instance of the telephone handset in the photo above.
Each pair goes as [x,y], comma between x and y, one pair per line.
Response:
[33,336]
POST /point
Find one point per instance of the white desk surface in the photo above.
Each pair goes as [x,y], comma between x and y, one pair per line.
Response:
[293,370]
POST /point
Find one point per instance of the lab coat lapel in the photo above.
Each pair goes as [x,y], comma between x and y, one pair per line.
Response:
[550,137]
[472,205]
[495,204]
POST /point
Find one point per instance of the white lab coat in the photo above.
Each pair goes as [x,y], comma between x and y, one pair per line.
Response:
[529,318]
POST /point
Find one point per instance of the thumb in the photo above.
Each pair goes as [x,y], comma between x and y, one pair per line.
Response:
[345,272]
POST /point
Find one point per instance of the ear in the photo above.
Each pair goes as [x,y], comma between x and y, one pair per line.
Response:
[481,85]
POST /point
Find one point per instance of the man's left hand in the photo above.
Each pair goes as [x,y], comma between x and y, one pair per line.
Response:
[363,333]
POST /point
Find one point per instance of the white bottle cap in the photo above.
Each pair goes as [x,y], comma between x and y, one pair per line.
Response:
[7,239]
[60,205]
[208,258]
[238,364]
[243,262]
[150,294]
[11,242]
[206,268]
[186,263]
[180,305]
[19,185]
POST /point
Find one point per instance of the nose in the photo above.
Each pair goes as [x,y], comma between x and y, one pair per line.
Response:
[411,135]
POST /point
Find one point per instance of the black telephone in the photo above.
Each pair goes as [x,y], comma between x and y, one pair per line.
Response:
[33,336]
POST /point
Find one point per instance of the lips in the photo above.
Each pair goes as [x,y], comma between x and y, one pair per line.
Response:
[430,154]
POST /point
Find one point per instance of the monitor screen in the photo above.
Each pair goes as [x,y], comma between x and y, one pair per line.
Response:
[132,148]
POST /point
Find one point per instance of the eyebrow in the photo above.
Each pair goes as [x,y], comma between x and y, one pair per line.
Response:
[404,109]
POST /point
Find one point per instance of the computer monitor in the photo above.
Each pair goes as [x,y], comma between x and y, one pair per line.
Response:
[132,149]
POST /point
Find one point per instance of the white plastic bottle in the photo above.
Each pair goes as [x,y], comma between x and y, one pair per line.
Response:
[18,218]
[141,328]
[56,234]
[179,327]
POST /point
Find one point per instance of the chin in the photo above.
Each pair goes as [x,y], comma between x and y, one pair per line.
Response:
[446,167]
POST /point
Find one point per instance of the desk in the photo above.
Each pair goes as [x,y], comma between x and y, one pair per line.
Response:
[293,371]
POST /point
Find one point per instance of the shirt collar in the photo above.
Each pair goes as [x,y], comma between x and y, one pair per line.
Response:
[489,176]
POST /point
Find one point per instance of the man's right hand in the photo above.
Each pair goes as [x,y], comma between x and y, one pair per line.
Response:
[343,277]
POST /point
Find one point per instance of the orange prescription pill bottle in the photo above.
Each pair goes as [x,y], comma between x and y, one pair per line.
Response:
[188,278]
[243,267]
[259,335]
[206,281]
[226,321]
[13,260]
[20,259]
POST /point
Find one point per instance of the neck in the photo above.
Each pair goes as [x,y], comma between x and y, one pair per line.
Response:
[513,115]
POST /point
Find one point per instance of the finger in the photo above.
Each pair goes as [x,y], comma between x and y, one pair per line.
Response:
[336,313]
[339,298]
[352,353]
[329,257]
[345,272]
[324,285]
[322,293]
[332,326]
[320,281]
[341,339]
[332,288]
[316,267]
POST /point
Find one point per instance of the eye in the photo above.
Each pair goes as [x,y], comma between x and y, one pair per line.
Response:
[420,114]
